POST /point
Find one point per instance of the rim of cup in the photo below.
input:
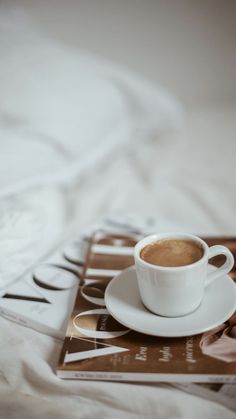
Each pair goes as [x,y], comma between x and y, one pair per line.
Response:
[159,236]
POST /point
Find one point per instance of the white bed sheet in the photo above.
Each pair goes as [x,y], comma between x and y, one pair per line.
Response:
[186,181]
[62,113]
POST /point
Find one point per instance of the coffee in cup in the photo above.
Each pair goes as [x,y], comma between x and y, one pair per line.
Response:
[172,252]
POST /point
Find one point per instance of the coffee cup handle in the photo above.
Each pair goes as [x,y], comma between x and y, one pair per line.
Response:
[223,269]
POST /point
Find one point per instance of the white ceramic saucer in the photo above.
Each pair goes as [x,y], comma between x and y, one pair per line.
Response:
[124,304]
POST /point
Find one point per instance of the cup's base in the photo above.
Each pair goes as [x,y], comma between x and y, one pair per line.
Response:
[168,315]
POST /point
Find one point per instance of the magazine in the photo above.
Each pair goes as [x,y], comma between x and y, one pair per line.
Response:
[36,298]
[97,347]
[70,257]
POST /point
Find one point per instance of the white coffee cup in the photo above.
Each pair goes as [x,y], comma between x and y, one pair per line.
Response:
[177,291]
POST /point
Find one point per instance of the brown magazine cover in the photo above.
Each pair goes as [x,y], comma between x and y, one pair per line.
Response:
[97,347]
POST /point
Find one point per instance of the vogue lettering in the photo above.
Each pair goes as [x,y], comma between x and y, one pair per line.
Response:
[104,349]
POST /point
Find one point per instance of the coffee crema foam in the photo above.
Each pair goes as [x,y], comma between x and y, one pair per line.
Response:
[172,252]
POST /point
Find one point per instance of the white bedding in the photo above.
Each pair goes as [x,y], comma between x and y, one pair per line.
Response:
[185,181]
[145,183]
[62,113]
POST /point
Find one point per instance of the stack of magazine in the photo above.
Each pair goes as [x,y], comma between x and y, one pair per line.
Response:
[96,346]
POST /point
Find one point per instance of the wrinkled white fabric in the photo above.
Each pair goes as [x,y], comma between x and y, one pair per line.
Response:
[62,111]
[203,202]
[25,222]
